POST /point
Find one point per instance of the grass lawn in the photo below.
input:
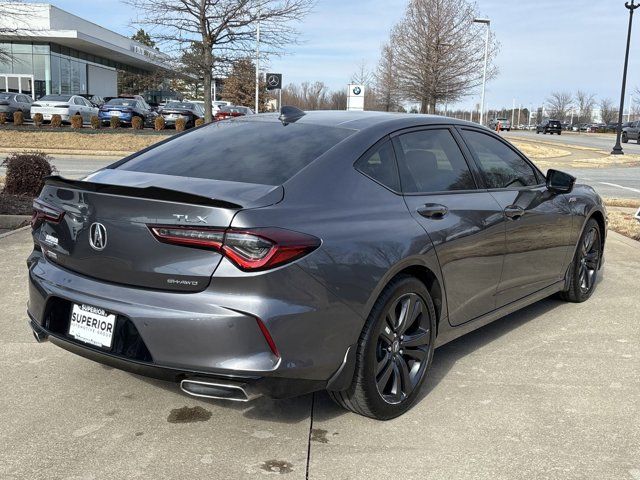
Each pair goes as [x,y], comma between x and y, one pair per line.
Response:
[105,140]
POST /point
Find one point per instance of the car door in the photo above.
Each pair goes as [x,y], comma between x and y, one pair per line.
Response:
[465,224]
[25,105]
[539,224]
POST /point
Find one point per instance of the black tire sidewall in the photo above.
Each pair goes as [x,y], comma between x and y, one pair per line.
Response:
[575,291]
[379,406]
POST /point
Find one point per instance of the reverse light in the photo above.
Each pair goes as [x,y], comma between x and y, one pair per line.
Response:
[44,212]
[250,250]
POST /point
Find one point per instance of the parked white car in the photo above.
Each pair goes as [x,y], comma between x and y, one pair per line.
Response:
[64,105]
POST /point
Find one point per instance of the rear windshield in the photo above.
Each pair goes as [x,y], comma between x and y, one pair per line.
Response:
[122,101]
[262,152]
[56,98]
[188,106]
[5,96]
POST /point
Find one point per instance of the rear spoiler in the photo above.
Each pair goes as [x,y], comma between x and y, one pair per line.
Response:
[152,193]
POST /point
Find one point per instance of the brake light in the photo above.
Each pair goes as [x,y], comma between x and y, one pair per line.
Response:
[44,212]
[250,250]
[61,106]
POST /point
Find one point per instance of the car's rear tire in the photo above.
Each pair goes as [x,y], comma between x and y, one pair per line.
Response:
[583,271]
[394,352]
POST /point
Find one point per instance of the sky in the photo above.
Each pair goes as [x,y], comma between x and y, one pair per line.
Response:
[546,45]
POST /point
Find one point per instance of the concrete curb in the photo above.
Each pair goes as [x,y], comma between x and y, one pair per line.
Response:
[559,145]
[13,232]
[626,240]
[62,151]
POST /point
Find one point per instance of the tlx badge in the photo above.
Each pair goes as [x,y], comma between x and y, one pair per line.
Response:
[190,218]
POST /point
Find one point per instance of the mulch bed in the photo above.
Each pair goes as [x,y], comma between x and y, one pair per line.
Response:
[15,204]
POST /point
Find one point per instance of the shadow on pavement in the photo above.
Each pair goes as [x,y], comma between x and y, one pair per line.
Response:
[297,409]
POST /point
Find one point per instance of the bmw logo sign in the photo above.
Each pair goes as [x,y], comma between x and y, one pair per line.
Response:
[357,90]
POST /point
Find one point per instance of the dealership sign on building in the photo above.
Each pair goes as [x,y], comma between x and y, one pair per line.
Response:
[355,97]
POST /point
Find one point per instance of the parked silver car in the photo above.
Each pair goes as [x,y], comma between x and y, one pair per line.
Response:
[64,105]
[631,132]
[13,102]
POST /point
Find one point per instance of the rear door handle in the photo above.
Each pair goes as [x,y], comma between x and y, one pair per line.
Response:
[514,212]
[433,210]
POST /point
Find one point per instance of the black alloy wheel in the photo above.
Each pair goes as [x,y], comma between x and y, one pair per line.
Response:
[394,352]
[402,348]
[583,272]
[589,259]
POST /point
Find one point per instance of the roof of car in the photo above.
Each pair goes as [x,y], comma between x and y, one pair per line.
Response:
[360,120]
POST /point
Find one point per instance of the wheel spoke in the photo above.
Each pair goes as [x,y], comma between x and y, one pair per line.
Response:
[589,278]
[588,241]
[591,259]
[396,388]
[383,379]
[387,330]
[416,353]
[407,385]
[404,313]
[383,363]
[421,337]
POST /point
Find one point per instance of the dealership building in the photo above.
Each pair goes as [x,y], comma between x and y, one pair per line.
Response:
[54,52]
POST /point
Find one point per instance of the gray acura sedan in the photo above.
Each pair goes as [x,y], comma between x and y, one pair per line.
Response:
[281,255]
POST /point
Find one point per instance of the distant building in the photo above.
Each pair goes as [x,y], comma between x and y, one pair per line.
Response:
[56,52]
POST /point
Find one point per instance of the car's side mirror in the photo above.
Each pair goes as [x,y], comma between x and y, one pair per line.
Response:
[560,182]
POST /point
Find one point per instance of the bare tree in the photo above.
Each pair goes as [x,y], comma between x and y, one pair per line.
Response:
[387,80]
[608,111]
[307,95]
[439,52]
[585,102]
[363,76]
[226,29]
[13,14]
[559,104]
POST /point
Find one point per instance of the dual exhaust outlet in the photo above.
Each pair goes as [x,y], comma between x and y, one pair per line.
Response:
[219,390]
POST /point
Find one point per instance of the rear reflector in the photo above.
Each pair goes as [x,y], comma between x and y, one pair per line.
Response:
[250,250]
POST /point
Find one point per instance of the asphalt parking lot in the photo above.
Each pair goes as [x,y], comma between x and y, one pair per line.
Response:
[549,392]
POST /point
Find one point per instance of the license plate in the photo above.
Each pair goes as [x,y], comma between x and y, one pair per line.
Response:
[92,325]
[114,113]
[46,116]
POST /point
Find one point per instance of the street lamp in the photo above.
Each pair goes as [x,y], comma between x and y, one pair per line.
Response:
[617,149]
[486,22]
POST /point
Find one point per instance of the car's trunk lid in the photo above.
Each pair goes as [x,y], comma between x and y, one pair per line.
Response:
[125,204]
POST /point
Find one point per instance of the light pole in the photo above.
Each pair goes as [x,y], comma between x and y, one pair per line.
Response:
[486,22]
[617,149]
[258,65]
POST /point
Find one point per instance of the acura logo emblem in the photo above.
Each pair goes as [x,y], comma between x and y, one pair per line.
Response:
[97,236]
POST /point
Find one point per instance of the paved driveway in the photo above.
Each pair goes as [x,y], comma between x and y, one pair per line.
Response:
[550,392]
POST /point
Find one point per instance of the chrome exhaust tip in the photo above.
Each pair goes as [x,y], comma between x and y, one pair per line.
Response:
[40,337]
[217,390]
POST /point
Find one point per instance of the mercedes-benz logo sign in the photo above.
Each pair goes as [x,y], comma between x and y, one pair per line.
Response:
[357,90]
[272,81]
[98,236]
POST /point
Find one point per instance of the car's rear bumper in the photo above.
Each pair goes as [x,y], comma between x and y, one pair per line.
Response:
[176,335]
[254,385]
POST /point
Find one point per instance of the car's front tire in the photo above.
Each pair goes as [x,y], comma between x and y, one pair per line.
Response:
[583,271]
[624,138]
[394,352]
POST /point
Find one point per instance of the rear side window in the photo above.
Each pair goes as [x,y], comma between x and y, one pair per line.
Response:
[262,152]
[501,166]
[380,165]
[431,161]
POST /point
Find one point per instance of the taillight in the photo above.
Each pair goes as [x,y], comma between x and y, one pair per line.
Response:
[61,106]
[43,212]
[250,250]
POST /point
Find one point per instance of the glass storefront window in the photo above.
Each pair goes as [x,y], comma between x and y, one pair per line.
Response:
[22,48]
[23,63]
[41,49]
[55,74]
[65,76]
